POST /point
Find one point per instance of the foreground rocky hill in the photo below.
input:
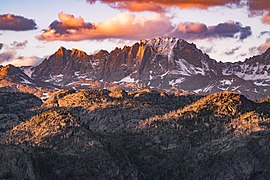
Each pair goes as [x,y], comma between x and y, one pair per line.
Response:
[144,134]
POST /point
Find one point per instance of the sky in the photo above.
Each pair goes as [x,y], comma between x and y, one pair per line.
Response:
[227,30]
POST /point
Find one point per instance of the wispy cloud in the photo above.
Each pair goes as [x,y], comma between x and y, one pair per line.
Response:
[10,55]
[232,51]
[19,45]
[12,22]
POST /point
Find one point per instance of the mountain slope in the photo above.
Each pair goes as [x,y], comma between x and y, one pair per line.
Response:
[14,79]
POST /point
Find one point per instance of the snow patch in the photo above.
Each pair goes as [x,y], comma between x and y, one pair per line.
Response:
[176,81]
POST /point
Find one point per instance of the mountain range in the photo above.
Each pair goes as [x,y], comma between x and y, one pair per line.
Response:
[153,110]
[164,64]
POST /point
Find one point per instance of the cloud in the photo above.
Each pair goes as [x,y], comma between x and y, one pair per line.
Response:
[160,5]
[266,18]
[232,51]
[126,26]
[19,45]
[258,5]
[264,33]
[10,55]
[68,24]
[263,47]
[139,7]
[230,29]
[7,56]
[12,22]
[207,49]
[25,61]
[123,26]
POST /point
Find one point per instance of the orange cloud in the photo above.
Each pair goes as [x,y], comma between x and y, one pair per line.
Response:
[266,18]
[159,5]
[70,21]
[123,26]
[139,7]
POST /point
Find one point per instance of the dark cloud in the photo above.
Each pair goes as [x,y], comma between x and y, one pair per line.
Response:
[1,45]
[223,30]
[20,45]
[230,29]
[7,56]
[264,33]
[232,51]
[16,23]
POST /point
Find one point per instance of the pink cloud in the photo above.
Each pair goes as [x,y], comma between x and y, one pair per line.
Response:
[123,26]
[230,29]
[263,47]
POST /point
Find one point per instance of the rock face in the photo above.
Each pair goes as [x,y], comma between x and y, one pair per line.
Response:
[15,163]
[141,134]
[16,108]
[62,66]
[159,63]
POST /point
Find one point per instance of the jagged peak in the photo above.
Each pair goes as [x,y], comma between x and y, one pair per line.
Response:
[61,50]
[78,52]
[9,70]
[100,53]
